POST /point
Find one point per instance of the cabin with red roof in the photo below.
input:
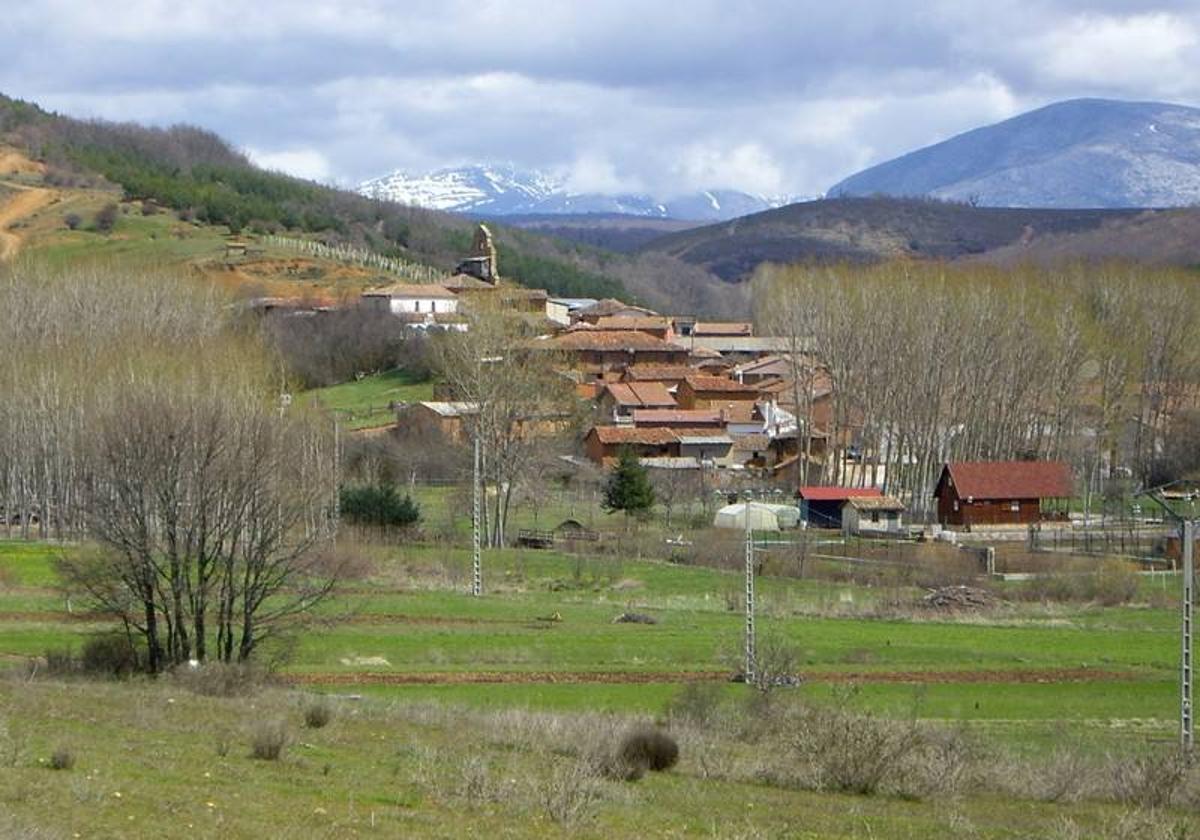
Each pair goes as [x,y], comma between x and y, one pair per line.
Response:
[1000,492]
[619,400]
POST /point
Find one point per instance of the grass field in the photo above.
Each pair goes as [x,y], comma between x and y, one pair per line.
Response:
[364,403]
[1030,676]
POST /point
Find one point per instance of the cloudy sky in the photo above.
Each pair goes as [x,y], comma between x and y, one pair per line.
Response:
[773,96]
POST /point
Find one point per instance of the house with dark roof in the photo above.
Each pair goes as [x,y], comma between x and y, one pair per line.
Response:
[603,444]
[1001,492]
[605,354]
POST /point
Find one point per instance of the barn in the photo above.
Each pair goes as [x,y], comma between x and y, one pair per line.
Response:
[1000,492]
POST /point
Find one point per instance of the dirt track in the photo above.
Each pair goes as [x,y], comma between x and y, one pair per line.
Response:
[643,677]
[26,202]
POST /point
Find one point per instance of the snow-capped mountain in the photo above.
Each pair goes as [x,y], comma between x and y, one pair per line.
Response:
[506,191]
[1078,153]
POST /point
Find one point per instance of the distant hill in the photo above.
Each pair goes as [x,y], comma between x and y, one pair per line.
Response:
[610,231]
[503,190]
[1078,153]
[865,230]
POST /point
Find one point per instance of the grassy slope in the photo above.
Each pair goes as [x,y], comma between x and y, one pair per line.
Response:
[364,403]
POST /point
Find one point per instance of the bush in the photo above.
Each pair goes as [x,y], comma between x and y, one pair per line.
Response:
[218,679]
[269,741]
[318,714]
[106,218]
[62,759]
[72,221]
[650,749]
[1148,781]
[697,704]
[60,662]
[110,654]
[377,504]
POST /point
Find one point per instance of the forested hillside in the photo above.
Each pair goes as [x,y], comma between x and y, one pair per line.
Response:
[200,177]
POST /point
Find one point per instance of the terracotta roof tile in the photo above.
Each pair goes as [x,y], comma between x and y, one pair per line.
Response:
[642,394]
[837,494]
[702,382]
[655,417]
[1011,479]
[611,340]
[653,436]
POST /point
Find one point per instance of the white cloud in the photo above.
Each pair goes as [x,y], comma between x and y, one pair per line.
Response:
[303,163]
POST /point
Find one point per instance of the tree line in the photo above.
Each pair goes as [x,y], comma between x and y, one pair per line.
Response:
[136,413]
[1093,364]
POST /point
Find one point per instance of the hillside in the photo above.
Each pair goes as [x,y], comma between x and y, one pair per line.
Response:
[1078,153]
[182,191]
[864,230]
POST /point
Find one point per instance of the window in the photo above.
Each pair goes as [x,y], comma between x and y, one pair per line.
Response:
[416,306]
[874,516]
[1015,506]
[956,504]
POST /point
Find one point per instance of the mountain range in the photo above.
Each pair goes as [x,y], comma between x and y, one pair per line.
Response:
[1075,154]
[504,190]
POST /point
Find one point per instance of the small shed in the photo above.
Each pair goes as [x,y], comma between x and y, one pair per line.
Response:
[822,506]
[872,515]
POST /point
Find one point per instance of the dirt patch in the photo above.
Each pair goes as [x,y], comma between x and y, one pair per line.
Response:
[15,163]
[26,202]
[1046,676]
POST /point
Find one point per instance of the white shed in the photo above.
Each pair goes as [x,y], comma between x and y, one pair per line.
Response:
[413,298]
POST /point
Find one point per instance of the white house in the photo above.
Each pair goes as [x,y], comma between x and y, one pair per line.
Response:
[414,299]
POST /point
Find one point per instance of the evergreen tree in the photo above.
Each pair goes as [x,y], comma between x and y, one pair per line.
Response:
[629,487]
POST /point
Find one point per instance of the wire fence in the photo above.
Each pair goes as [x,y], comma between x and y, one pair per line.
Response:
[417,272]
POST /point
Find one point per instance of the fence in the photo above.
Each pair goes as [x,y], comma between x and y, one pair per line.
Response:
[416,272]
[1130,539]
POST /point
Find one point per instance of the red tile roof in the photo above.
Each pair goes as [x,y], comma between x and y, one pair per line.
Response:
[653,436]
[837,494]
[702,382]
[641,394]
[621,322]
[610,340]
[654,417]
[658,373]
[1011,479]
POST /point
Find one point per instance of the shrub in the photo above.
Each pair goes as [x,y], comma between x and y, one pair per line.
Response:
[60,662]
[1149,780]
[106,218]
[218,679]
[697,704]
[318,713]
[568,796]
[110,654]
[149,208]
[72,221]
[854,753]
[62,759]
[377,504]
[649,748]
[269,741]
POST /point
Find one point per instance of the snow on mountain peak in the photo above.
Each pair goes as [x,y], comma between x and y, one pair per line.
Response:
[504,190]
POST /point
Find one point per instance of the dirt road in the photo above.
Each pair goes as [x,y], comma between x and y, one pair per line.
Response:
[25,202]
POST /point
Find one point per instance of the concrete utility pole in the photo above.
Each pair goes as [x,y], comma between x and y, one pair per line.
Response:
[1188,534]
[750,668]
[476,518]
[1187,541]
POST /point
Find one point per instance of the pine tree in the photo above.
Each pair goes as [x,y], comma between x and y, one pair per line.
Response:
[629,487]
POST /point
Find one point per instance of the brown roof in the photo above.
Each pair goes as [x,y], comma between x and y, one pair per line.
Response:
[876,503]
[658,373]
[1010,479]
[654,417]
[702,382]
[412,290]
[722,328]
[648,322]
[610,340]
[643,394]
[751,443]
[652,435]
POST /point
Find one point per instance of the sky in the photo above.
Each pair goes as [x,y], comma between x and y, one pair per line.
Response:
[768,96]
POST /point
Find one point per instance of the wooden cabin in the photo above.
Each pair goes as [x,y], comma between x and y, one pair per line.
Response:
[1001,492]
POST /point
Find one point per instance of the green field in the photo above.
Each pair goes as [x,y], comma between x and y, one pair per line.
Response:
[1029,676]
[364,403]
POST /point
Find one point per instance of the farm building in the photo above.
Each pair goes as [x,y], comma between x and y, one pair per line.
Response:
[872,515]
[413,298]
[603,444]
[1000,492]
[822,506]
[654,325]
[605,354]
[610,307]
[703,391]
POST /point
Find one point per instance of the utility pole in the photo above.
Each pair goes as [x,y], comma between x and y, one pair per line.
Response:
[1188,534]
[1187,540]
[750,668]
[476,517]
